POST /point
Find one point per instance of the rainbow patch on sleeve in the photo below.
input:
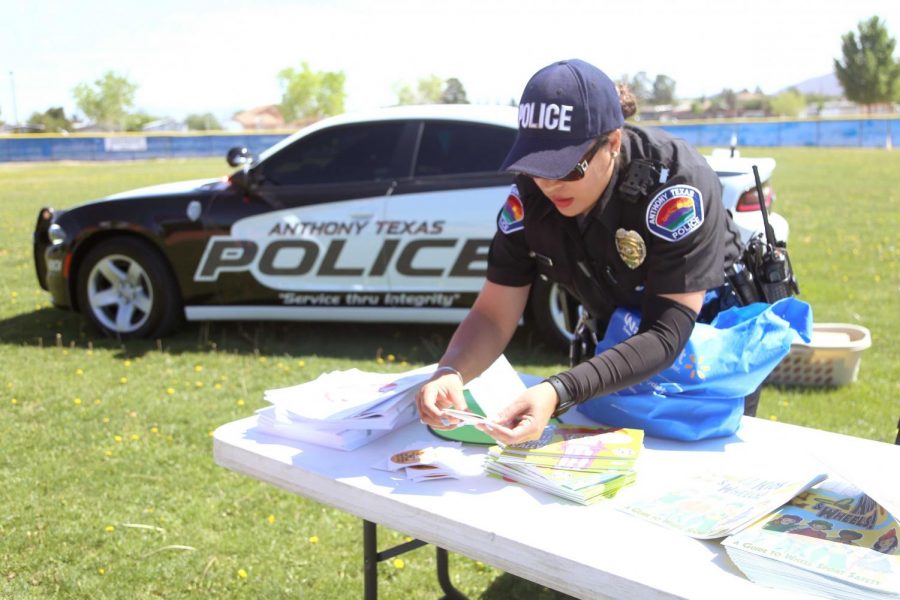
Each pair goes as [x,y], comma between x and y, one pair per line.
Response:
[512,215]
[675,212]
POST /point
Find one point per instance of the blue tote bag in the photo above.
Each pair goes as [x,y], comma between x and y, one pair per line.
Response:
[702,394]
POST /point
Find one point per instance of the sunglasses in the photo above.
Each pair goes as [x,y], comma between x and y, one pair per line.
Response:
[581,167]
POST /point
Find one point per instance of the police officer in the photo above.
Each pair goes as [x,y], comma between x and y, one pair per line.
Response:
[618,215]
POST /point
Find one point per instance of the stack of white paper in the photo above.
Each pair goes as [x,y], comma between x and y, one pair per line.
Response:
[343,409]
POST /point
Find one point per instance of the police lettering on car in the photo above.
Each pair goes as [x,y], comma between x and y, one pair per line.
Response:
[630,222]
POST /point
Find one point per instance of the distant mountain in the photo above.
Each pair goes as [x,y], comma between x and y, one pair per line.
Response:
[827,85]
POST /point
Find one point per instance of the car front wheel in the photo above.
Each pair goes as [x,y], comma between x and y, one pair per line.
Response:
[125,290]
[548,313]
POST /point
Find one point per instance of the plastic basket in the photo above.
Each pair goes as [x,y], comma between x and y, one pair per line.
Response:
[830,359]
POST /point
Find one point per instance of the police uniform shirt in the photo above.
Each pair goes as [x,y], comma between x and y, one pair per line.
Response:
[678,219]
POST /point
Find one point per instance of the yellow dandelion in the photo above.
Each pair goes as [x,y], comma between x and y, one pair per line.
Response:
[101,571]
[135,437]
[398,563]
[127,363]
[123,380]
[132,414]
[313,539]
[210,433]
[13,401]
[154,430]
[97,401]
[271,519]
[785,403]
[109,529]
[76,401]
[301,363]
[170,391]
[108,453]
[240,401]
[223,377]
[198,368]
[9,386]
[79,372]
[105,419]
[242,573]
[773,417]
[198,384]
[280,365]
[118,439]
[391,358]
[217,386]
[379,360]
[263,359]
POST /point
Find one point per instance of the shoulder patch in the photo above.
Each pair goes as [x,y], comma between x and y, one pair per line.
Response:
[675,212]
[512,215]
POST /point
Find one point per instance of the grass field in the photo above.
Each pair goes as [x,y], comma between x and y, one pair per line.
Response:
[110,490]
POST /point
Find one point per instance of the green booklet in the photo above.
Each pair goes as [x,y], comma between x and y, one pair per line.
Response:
[577,486]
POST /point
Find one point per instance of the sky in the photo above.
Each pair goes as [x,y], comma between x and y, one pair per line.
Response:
[222,56]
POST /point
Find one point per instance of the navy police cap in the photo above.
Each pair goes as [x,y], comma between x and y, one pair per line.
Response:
[564,108]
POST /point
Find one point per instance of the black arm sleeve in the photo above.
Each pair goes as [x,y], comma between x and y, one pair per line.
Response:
[665,328]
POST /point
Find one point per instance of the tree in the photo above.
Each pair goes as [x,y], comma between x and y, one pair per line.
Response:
[108,101]
[454,92]
[308,93]
[868,72]
[137,121]
[52,120]
[726,99]
[663,90]
[429,90]
[788,104]
[204,122]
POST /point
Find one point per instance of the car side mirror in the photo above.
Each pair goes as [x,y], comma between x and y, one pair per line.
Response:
[238,156]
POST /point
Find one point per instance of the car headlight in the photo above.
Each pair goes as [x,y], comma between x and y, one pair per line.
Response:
[56,234]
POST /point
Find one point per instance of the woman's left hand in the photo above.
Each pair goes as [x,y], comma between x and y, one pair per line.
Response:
[524,419]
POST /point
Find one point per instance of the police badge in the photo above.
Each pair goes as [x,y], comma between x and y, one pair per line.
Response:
[631,247]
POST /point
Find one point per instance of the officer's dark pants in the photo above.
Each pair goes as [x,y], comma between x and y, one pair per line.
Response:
[751,402]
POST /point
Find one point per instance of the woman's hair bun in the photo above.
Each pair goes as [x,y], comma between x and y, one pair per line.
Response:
[627,100]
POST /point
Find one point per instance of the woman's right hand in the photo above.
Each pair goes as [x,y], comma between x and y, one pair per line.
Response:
[444,390]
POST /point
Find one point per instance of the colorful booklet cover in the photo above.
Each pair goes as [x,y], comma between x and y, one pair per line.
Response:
[593,448]
[716,504]
[580,463]
[833,540]
[580,487]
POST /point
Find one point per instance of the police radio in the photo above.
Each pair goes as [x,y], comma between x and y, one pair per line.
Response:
[768,270]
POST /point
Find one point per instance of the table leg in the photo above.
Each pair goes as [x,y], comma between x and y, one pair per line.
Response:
[371,558]
[443,573]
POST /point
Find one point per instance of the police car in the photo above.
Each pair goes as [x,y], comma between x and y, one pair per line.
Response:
[384,216]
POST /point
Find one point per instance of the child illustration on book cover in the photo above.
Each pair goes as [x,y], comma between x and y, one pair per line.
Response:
[816,529]
[783,523]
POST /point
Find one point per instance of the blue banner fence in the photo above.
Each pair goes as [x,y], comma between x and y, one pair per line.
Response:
[859,132]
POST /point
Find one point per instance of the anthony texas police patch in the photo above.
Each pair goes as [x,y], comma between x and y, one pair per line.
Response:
[512,215]
[675,212]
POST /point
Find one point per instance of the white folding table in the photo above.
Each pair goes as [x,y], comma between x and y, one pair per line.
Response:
[585,551]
